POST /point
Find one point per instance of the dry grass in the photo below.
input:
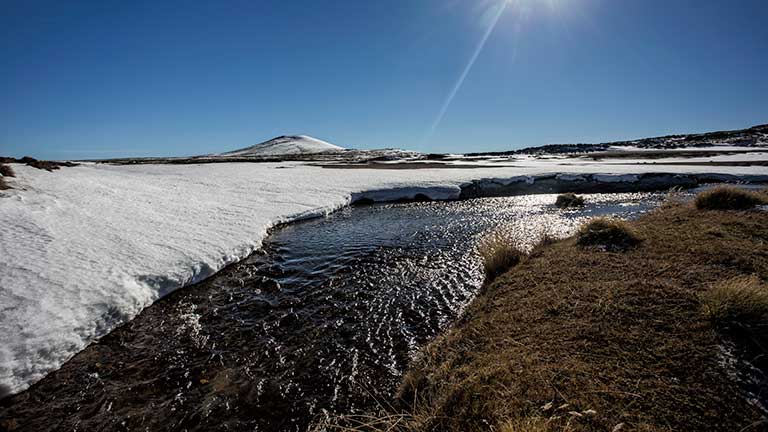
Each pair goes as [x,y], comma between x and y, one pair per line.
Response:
[741,300]
[568,200]
[729,198]
[6,171]
[368,423]
[608,234]
[674,198]
[410,422]
[527,424]
[499,253]
[39,164]
[576,339]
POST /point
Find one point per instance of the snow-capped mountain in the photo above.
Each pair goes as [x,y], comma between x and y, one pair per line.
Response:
[287,145]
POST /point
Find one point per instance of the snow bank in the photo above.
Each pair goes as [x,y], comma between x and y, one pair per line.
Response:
[85,249]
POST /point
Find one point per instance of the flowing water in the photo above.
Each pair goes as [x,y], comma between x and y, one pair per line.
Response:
[323,320]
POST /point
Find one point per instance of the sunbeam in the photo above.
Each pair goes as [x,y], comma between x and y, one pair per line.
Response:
[452,94]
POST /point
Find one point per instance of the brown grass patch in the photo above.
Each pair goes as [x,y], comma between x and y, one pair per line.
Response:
[499,253]
[576,339]
[526,424]
[568,200]
[729,198]
[6,171]
[608,234]
[741,300]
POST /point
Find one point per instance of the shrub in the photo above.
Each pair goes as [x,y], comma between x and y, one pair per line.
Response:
[499,253]
[607,233]
[569,199]
[6,171]
[3,184]
[741,300]
[728,198]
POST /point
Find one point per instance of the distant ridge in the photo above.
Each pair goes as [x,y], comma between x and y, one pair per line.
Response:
[755,136]
[287,145]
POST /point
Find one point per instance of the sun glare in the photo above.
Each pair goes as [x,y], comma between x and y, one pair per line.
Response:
[493,11]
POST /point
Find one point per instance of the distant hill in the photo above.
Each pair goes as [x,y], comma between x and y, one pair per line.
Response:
[287,145]
[756,136]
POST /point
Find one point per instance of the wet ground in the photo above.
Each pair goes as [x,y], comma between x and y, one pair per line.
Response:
[323,320]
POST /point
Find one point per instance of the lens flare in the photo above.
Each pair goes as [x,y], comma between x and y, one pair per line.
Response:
[522,9]
[455,89]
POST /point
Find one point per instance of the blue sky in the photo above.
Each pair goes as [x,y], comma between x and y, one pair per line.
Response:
[99,79]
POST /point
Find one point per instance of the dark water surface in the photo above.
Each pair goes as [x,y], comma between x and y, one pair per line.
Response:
[323,320]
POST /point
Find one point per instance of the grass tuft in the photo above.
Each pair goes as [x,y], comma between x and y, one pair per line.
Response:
[499,253]
[607,233]
[568,200]
[526,424]
[728,198]
[741,300]
[6,171]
